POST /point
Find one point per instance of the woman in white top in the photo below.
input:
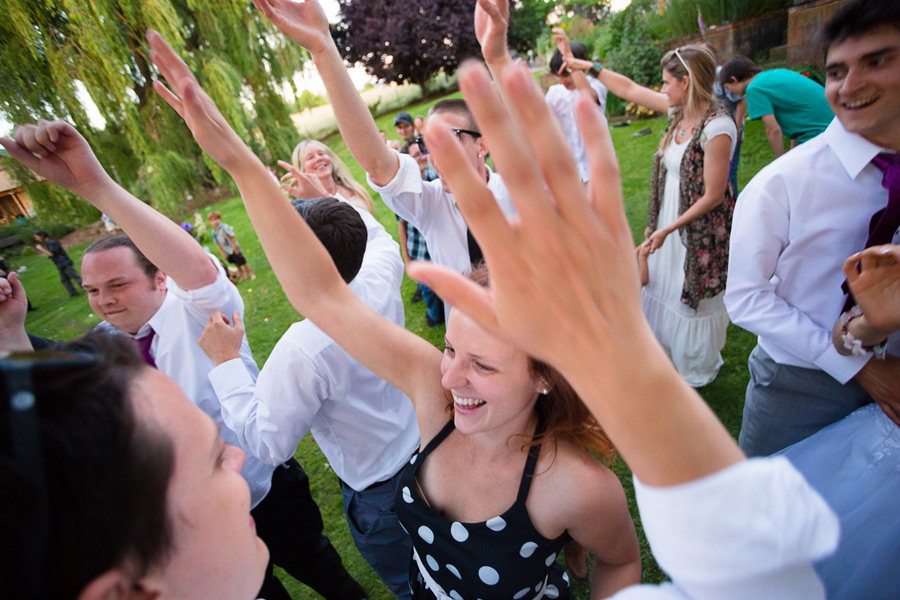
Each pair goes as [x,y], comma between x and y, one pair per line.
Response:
[314,158]
[689,195]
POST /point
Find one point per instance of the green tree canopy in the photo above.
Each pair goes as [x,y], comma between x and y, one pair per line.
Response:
[49,49]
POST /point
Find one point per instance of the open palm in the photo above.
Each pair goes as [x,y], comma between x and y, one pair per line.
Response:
[187,98]
[303,22]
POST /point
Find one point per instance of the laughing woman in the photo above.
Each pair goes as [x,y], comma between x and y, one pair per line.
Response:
[315,159]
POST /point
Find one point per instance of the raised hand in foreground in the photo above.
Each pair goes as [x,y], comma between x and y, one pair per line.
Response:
[546,298]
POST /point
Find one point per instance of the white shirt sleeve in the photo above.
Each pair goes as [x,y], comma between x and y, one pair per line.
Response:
[406,194]
[722,125]
[748,532]
[760,232]
[221,295]
[271,417]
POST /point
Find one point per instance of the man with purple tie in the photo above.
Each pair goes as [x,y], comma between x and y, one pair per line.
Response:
[795,224]
[157,285]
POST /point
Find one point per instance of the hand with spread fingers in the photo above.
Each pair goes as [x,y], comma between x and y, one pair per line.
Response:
[200,114]
[548,296]
[299,184]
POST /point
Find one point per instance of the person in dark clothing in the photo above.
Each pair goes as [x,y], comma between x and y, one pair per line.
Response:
[55,252]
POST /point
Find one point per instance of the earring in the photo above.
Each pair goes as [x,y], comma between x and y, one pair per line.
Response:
[545,391]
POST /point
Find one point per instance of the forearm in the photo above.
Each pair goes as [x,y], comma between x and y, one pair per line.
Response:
[625,88]
[164,243]
[776,140]
[860,329]
[357,127]
[703,205]
[608,579]
[15,340]
[303,266]
[401,232]
[583,85]
[662,428]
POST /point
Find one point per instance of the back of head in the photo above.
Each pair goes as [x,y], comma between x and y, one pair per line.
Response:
[105,472]
[340,229]
[578,51]
[120,240]
[857,18]
[740,68]
[455,106]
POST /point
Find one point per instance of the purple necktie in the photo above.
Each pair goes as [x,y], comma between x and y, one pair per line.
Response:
[885,221]
[143,345]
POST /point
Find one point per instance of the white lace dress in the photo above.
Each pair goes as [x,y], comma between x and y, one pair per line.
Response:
[693,339]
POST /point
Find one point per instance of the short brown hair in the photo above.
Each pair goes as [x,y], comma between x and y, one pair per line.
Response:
[214,214]
[120,240]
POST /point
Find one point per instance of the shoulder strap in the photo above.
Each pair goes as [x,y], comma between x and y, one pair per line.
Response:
[436,440]
[530,463]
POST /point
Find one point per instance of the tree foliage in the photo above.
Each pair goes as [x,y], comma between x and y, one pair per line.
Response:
[629,46]
[406,40]
[527,23]
[52,49]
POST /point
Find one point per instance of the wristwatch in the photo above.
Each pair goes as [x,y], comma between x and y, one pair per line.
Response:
[596,68]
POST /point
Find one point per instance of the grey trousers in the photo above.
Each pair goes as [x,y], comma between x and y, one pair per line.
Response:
[785,404]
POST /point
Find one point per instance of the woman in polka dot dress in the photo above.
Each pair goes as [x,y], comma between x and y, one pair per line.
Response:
[500,488]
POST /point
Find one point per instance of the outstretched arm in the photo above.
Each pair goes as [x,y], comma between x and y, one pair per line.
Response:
[625,88]
[578,68]
[57,152]
[305,23]
[303,266]
[592,329]
[491,27]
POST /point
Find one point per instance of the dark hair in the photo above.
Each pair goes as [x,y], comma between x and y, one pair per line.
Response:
[120,240]
[340,229]
[42,234]
[106,471]
[740,68]
[857,18]
[578,51]
[563,412]
[456,106]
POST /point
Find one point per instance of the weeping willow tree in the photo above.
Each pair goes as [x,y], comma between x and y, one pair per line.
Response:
[52,52]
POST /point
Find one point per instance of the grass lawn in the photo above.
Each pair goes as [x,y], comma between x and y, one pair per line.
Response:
[268,314]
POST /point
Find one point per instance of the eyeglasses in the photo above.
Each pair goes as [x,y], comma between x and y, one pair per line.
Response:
[420,141]
[18,370]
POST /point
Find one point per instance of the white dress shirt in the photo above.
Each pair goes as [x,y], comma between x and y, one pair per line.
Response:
[562,102]
[427,207]
[748,532]
[365,427]
[178,325]
[795,224]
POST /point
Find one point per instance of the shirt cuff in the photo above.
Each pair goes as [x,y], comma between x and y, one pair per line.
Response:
[407,180]
[840,367]
[229,376]
[740,531]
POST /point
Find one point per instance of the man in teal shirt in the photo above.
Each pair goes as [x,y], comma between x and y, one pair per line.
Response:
[788,103]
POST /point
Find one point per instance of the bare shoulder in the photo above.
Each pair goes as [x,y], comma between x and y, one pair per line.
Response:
[570,484]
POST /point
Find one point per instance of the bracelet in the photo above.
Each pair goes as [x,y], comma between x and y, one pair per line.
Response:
[854,345]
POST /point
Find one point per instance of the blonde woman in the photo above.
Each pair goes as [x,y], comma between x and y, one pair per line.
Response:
[312,158]
[689,194]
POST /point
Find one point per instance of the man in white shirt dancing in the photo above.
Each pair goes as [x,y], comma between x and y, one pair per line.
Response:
[796,223]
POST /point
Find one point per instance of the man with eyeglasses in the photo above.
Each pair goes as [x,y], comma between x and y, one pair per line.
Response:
[428,205]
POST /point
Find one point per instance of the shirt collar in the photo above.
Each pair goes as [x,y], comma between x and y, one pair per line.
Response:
[852,150]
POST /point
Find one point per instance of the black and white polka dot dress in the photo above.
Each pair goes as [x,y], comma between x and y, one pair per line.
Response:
[503,557]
